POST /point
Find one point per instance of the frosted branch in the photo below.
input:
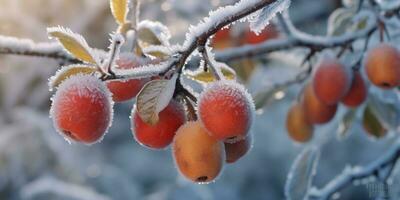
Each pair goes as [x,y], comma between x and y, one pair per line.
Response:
[350,174]
[295,38]
[26,47]
[200,33]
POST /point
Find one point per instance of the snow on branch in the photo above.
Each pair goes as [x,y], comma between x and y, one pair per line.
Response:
[383,164]
[296,38]
[16,46]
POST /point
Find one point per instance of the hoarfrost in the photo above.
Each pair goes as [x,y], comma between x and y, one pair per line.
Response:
[260,19]
[83,86]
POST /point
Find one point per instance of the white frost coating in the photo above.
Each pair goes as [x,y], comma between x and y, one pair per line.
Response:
[231,88]
[166,50]
[300,177]
[165,97]
[60,71]
[84,85]
[260,19]
[116,40]
[144,71]
[215,17]
[77,37]
[26,45]
[161,31]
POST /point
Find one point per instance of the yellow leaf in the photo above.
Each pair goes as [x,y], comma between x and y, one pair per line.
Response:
[74,43]
[147,37]
[207,76]
[157,51]
[119,9]
[68,71]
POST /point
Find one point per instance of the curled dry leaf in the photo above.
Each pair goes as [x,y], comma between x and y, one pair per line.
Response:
[68,71]
[153,98]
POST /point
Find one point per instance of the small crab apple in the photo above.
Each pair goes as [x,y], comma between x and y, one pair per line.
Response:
[297,125]
[160,135]
[382,65]
[82,109]
[357,93]
[226,110]
[331,81]
[124,90]
[198,156]
[235,151]
[316,111]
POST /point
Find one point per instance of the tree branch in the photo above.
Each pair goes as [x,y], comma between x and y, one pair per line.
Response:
[386,161]
[26,47]
[295,38]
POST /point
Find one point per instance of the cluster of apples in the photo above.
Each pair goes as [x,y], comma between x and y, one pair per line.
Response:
[82,111]
[333,83]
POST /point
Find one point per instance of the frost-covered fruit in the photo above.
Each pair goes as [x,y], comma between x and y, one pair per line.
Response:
[331,81]
[357,93]
[82,109]
[382,65]
[297,125]
[124,90]
[316,111]
[235,151]
[160,135]
[226,110]
[198,156]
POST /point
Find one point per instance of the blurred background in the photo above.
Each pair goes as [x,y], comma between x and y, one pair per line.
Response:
[37,163]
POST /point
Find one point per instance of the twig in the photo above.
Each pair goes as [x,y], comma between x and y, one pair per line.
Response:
[26,47]
[295,38]
[388,159]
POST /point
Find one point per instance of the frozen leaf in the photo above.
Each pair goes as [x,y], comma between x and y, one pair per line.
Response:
[68,71]
[386,110]
[301,174]
[346,123]
[208,76]
[372,124]
[153,33]
[74,43]
[119,9]
[339,21]
[263,17]
[157,51]
[153,98]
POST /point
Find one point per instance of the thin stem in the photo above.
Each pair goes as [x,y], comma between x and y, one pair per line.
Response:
[357,173]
